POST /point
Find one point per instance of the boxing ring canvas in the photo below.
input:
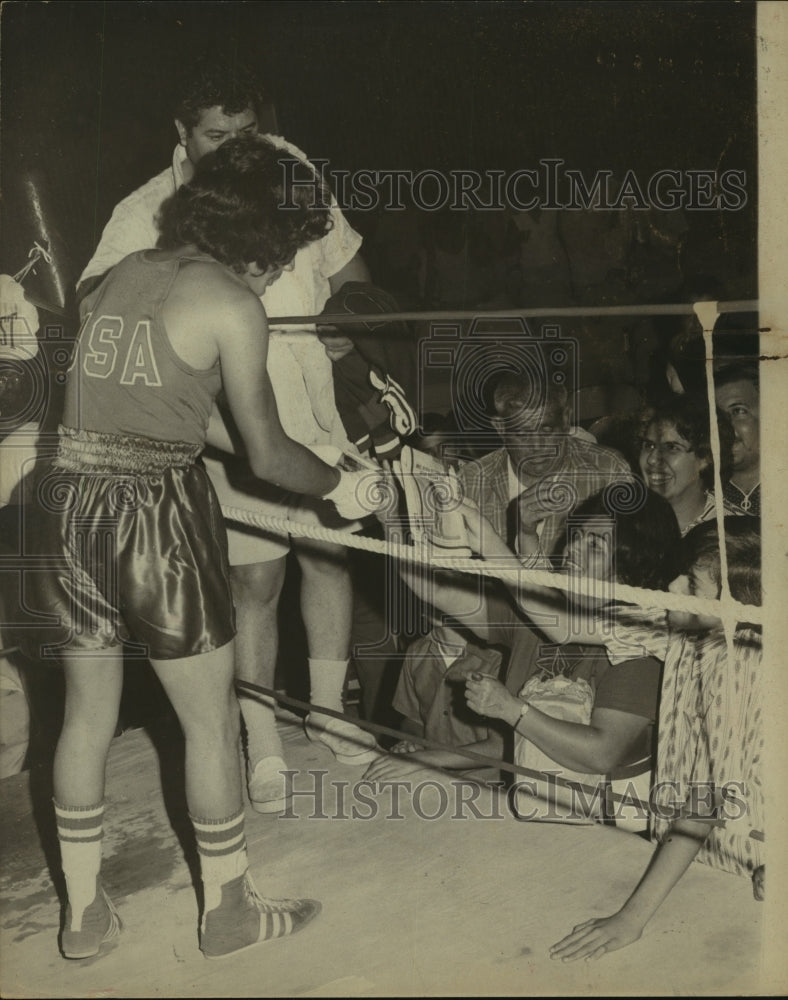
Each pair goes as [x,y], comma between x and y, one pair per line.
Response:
[440,889]
[435,892]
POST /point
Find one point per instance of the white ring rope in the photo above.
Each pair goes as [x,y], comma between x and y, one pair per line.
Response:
[730,610]
[727,609]
[708,314]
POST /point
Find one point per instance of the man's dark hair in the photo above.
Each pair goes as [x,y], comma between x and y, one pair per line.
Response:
[217,81]
[742,548]
[513,392]
[647,537]
[730,374]
[231,209]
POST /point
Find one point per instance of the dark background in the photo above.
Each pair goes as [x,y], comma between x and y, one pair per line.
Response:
[86,90]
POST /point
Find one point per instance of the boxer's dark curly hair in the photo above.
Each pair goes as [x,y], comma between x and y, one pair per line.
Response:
[248,203]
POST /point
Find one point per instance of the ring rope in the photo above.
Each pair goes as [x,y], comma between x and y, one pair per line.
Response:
[708,313]
[731,610]
[442,315]
[247,687]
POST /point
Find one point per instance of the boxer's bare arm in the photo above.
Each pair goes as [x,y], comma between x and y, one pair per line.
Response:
[218,434]
[241,336]
[212,315]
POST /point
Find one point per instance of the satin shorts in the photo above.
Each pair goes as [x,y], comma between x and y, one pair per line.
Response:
[133,558]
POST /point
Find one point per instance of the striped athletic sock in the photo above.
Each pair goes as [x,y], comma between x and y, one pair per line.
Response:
[80,830]
[221,844]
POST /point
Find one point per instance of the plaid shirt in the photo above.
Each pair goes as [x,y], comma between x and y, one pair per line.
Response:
[587,468]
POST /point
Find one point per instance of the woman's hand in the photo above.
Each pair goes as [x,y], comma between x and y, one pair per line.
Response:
[487,696]
[595,938]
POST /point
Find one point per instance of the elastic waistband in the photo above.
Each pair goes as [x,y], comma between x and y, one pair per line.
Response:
[100,454]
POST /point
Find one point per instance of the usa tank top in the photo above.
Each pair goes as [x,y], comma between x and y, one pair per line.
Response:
[125,377]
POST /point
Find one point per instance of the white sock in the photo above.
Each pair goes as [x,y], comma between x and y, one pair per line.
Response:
[327,681]
[221,845]
[262,736]
[80,831]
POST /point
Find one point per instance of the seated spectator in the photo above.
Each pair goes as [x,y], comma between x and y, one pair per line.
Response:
[429,699]
[737,394]
[639,548]
[527,488]
[718,750]
[676,460]
[610,544]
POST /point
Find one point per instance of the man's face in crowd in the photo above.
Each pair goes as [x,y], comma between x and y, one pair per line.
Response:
[214,128]
[535,437]
[741,401]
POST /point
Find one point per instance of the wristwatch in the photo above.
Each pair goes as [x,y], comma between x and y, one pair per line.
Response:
[523,710]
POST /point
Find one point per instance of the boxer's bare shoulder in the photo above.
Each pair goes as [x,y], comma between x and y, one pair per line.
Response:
[206,304]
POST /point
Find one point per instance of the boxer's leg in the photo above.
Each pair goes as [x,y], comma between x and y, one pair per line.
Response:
[93,688]
[234,915]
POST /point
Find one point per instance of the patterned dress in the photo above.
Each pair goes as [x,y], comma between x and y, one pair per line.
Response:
[711,743]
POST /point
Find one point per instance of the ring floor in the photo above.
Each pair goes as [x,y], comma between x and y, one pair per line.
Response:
[434,891]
